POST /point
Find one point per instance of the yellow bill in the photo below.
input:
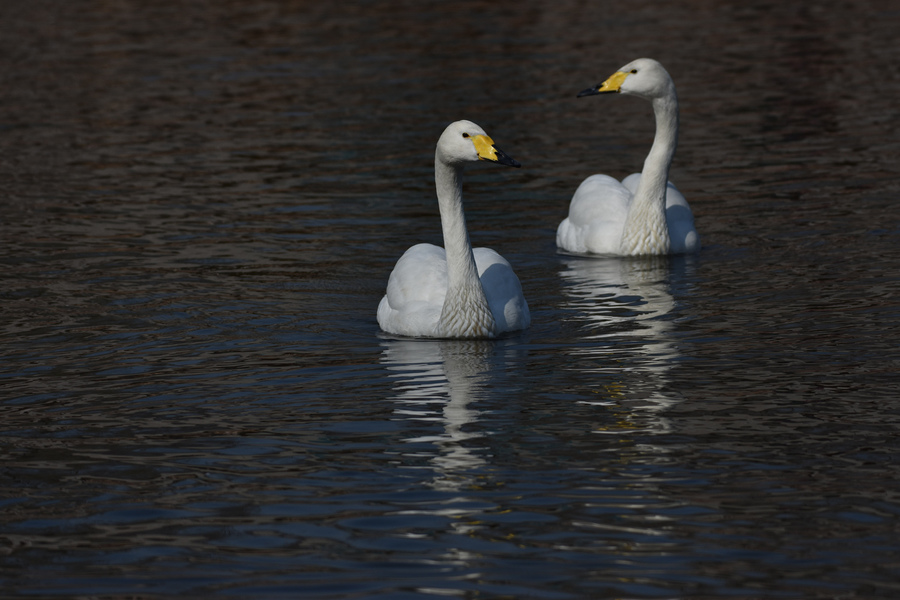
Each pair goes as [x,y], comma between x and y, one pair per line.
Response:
[484,145]
[611,85]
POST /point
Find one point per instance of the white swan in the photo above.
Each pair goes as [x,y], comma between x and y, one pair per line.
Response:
[460,292]
[644,214]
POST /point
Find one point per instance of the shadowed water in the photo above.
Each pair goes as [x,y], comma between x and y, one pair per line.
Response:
[202,203]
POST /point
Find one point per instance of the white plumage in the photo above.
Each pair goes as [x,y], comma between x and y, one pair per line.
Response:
[644,214]
[455,292]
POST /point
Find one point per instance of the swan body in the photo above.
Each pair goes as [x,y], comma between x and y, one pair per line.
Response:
[455,291]
[644,214]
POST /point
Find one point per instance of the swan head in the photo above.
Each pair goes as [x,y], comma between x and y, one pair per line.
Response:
[464,141]
[643,77]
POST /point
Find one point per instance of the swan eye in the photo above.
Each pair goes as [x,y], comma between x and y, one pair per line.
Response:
[465,135]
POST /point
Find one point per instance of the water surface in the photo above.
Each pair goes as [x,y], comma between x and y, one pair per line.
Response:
[202,205]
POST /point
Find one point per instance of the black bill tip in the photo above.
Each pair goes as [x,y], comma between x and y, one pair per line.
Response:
[504,159]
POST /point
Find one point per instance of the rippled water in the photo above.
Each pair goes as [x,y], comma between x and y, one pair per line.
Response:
[201,206]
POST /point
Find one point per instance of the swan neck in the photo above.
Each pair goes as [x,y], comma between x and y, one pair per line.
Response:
[460,260]
[665,141]
[465,312]
[646,231]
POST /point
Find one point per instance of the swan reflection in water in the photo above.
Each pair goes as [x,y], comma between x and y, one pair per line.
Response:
[437,382]
[625,307]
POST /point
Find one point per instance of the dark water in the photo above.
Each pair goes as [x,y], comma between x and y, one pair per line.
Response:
[201,203]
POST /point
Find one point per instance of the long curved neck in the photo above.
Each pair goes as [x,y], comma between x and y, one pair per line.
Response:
[645,229]
[465,312]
